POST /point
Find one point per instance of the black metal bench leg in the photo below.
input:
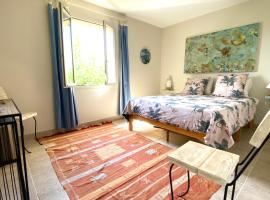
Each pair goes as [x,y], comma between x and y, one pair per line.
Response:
[171,184]
[233,190]
[36,130]
[233,184]
[225,192]
[188,186]
[170,176]
[27,150]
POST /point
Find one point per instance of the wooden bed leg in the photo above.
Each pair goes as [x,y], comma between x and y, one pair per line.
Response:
[237,136]
[251,124]
[130,124]
[167,135]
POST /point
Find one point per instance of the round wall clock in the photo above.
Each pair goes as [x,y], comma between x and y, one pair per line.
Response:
[145,56]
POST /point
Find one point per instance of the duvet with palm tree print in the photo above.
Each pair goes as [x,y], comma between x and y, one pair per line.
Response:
[218,117]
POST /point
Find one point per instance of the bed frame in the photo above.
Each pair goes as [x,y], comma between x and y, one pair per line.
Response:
[172,128]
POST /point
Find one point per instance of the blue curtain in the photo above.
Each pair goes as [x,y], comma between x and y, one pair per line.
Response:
[64,100]
[124,61]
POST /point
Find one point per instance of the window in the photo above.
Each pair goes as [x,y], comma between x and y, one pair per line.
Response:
[88,52]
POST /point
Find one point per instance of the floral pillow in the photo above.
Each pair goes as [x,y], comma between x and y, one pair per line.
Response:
[230,85]
[195,86]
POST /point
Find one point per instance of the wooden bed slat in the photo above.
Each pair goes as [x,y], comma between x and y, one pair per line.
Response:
[168,127]
[173,128]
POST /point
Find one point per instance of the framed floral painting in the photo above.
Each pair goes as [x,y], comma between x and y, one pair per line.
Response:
[231,50]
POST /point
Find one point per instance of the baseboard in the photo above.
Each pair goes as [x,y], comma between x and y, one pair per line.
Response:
[101,120]
[82,125]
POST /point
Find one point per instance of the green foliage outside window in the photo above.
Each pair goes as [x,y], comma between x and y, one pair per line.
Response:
[84,53]
[86,71]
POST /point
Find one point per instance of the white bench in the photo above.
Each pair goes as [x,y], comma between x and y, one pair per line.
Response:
[215,164]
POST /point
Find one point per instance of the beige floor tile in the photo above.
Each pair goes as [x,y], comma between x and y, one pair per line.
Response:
[46,183]
[54,195]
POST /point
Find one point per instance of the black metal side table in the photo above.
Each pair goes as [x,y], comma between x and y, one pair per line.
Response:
[13,170]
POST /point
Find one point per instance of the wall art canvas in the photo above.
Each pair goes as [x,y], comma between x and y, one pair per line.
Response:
[231,50]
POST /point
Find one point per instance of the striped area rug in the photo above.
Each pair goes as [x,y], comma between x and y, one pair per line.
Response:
[108,162]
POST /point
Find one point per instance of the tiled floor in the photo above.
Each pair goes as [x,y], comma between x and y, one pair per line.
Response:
[253,185]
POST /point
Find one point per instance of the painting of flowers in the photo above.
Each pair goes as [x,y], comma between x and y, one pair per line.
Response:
[231,50]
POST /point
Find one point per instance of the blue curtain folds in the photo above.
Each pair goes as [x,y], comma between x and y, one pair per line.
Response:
[124,61]
[65,105]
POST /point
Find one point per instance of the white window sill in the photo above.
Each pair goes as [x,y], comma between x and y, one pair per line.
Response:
[94,86]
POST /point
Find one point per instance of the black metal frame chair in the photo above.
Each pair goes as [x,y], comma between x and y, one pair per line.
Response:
[245,162]
[258,140]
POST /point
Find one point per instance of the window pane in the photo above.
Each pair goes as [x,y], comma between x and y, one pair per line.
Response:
[68,65]
[88,53]
[111,75]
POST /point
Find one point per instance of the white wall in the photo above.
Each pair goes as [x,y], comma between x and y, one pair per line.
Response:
[26,70]
[25,62]
[144,79]
[174,37]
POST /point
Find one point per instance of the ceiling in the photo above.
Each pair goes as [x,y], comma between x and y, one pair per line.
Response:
[164,13]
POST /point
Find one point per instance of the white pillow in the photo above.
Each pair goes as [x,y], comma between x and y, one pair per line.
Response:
[195,86]
[230,85]
[247,87]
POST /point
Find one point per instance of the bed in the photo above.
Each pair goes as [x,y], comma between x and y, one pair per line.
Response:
[214,120]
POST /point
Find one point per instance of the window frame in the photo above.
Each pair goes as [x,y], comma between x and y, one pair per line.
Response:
[103,24]
[115,53]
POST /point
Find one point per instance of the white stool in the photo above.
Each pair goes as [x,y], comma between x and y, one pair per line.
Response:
[29,115]
[25,116]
